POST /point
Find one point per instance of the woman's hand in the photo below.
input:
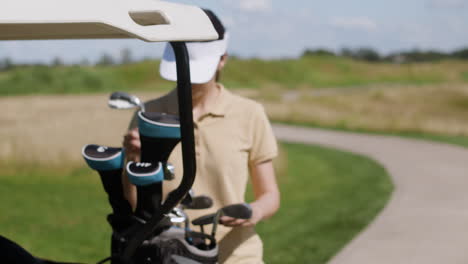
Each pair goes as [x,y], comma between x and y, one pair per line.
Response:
[267,196]
[257,215]
[132,145]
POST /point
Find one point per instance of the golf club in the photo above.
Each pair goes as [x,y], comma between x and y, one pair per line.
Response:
[198,203]
[178,216]
[242,211]
[123,100]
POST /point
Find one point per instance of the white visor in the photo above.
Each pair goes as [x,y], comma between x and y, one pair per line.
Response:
[204,58]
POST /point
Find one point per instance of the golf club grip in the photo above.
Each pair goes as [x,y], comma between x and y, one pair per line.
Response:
[149,199]
[112,183]
[200,202]
[204,220]
[241,210]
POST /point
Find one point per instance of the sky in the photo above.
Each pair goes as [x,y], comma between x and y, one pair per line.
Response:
[279,29]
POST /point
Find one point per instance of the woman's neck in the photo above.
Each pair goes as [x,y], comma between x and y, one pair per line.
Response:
[203,97]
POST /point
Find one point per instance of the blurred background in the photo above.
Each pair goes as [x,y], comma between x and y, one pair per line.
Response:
[340,65]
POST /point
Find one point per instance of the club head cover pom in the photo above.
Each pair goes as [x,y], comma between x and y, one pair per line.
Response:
[102,158]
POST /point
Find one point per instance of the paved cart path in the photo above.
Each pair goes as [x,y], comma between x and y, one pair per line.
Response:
[426,219]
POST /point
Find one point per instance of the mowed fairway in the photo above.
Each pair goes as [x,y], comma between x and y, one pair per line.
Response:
[55,207]
[327,197]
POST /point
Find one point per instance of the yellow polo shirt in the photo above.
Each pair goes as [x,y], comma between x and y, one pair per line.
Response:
[234,135]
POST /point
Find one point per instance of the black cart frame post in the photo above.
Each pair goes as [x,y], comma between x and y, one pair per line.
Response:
[184,94]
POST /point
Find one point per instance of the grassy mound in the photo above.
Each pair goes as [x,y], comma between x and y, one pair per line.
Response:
[327,197]
[306,72]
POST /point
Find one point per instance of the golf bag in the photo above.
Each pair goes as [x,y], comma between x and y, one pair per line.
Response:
[162,242]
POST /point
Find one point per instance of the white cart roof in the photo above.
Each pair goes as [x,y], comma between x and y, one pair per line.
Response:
[149,20]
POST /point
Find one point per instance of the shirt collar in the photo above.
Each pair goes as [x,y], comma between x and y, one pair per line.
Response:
[219,108]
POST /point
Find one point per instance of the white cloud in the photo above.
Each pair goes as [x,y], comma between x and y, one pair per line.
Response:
[448,3]
[355,23]
[250,5]
[255,5]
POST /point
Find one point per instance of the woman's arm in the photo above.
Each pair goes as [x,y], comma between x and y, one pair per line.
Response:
[267,196]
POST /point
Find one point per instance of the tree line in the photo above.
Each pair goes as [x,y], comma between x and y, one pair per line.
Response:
[106,59]
[364,54]
[371,55]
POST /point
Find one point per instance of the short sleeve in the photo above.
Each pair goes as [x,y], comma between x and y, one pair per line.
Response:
[263,142]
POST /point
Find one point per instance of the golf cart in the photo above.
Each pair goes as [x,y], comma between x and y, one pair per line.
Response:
[152,21]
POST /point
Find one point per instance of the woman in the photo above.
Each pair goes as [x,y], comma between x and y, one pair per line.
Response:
[233,140]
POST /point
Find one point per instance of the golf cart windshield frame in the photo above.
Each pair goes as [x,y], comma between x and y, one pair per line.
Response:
[183,23]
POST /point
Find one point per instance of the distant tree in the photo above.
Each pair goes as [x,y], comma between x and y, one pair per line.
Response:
[125,56]
[57,61]
[318,52]
[460,54]
[433,55]
[105,60]
[6,64]
[423,56]
[347,52]
[395,58]
[367,54]
[84,62]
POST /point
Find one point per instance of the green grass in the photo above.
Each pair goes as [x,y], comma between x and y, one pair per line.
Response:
[55,214]
[327,197]
[459,140]
[309,71]
[326,71]
[464,76]
[454,140]
[142,76]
